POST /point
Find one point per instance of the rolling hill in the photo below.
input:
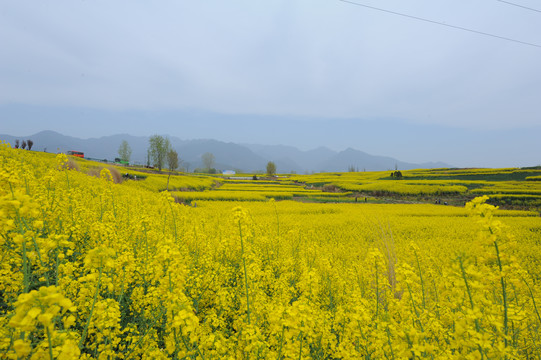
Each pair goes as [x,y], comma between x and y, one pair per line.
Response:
[240,157]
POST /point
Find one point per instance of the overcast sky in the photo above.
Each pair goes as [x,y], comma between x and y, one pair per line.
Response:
[208,68]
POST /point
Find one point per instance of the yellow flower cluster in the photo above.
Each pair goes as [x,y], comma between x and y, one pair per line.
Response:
[41,325]
[91,269]
[398,187]
[256,191]
[158,182]
[437,182]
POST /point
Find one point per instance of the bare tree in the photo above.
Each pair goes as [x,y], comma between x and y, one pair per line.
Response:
[172,163]
[17,143]
[30,143]
[208,160]
[124,151]
[159,146]
[271,168]
[23,145]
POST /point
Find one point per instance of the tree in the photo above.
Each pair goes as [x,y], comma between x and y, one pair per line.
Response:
[23,145]
[124,151]
[30,143]
[159,146]
[172,163]
[208,160]
[16,143]
[271,168]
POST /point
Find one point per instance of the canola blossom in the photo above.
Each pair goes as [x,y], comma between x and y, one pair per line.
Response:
[91,269]
[509,187]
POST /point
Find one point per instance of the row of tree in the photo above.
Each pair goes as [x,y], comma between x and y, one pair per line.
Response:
[161,154]
[25,144]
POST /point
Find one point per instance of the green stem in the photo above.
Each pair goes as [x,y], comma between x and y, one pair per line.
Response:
[281,344]
[437,298]
[415,308]
[421,278]
[186,344]
[26,185]
[377,293]
[504,293]
[50,344]
[365,348]
[477,327]
[533,300]
[141,338]
[57,263]
[85,330]
[70,207]
[389,342]
[245,274]
[300,346]
[175,336]
[174,219]
[277,220]
[114,206]
[36,248]
[465,280]
[26,272]
[122,287]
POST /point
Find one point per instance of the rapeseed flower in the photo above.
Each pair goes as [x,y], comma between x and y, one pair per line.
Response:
[95,270]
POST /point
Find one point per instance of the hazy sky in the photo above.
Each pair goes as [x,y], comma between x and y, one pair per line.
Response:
[140,67]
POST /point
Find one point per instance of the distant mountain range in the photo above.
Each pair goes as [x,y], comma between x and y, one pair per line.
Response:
[228,156]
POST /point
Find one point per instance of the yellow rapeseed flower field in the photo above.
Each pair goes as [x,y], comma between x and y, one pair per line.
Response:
[91,269]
